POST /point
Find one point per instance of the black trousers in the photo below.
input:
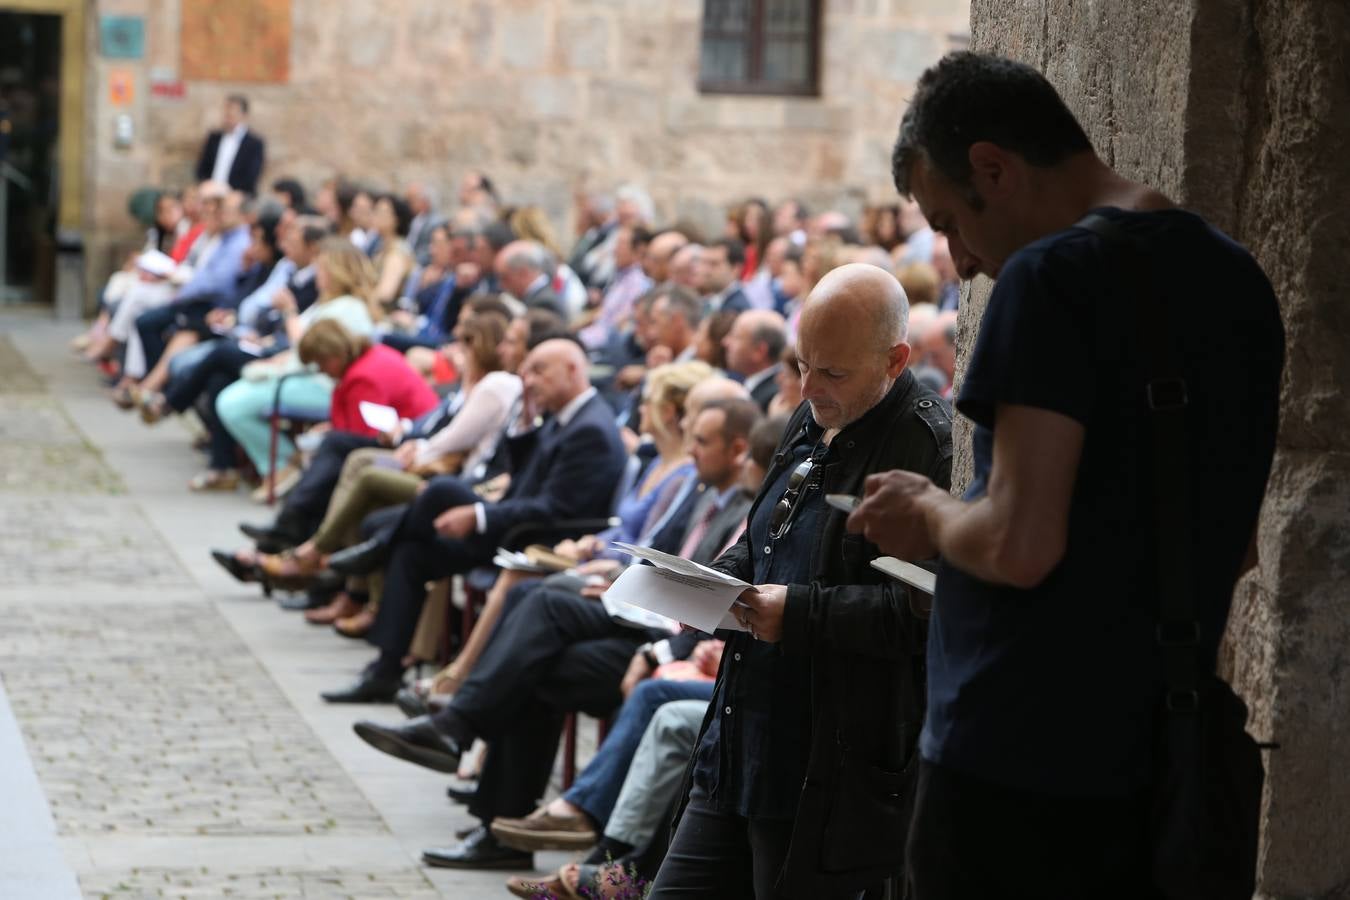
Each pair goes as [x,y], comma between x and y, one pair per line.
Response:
[418,555]
[717,856]
[552,652]
[308,500]
[203,382]
[971,840]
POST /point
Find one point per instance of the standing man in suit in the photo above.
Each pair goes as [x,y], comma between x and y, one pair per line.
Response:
[719,269]
[234,154]
[753,346]
[448,530]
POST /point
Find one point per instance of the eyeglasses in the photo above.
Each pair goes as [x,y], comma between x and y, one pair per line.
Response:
[785,510]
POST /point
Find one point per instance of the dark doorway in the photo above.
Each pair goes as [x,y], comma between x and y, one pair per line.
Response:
[30,102]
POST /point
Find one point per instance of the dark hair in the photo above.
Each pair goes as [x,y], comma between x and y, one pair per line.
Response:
[498,235]
[291,188]
[345,194]
[971,97]
[485,184]
[545,325]
[403,214]
[719,326]
[238,100]
[638,236]
[765,437]
[735,250]
[489,303]
[739,415]
[773,336]
[314,228]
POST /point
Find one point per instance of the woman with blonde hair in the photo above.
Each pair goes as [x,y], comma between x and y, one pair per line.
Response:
[346,283]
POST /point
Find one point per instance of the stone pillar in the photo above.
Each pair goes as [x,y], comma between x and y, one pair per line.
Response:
[1238,110]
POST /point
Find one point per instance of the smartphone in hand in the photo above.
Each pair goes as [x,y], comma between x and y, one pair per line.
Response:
[845,503]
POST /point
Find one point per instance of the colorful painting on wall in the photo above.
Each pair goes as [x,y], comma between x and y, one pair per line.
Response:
[243,40]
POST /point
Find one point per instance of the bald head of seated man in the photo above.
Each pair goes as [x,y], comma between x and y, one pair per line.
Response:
[555,374]
[851,343]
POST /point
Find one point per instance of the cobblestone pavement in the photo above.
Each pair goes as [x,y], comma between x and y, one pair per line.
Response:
[150,718]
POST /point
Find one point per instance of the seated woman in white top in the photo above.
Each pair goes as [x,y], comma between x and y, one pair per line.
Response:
[346,283]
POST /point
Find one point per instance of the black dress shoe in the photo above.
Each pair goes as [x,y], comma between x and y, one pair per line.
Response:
[462,790]
[242,571]
[410,703]
[479,850]
[359,559]
[269,535]
[366,690]
[416,741]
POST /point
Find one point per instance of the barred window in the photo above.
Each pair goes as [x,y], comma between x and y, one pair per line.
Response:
[760,47]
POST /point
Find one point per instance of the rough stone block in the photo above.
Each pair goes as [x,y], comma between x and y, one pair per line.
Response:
[584,43]
[524,36]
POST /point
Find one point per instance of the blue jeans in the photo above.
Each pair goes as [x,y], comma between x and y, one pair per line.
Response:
[597,787]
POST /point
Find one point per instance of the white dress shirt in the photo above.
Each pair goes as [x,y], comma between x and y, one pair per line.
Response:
[226,151]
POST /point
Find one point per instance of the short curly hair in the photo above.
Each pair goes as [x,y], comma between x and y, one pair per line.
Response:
[970,97]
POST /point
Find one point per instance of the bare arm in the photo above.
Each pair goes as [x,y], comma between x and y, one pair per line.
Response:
[1016,533]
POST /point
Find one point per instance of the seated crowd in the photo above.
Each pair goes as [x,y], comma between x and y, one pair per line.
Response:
[420,389]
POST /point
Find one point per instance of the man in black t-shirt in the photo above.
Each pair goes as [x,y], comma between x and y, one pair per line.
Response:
[1042,667]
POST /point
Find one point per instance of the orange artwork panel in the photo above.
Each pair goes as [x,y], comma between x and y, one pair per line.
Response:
[236,40]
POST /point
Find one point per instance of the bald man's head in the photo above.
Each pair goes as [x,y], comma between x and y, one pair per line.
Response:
[755,341]
[719,387]
[851,342]
[656,259]
[555,374]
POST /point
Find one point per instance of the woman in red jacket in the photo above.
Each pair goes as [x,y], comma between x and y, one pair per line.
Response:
[364,372]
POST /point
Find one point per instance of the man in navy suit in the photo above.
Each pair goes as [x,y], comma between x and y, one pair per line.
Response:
[571,474]
[719,276]
[233,154]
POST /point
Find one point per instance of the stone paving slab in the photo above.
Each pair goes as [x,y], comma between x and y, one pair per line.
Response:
[67,540]
[163,723]
[263,884]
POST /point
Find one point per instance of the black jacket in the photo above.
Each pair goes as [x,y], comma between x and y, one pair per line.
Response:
[859,633]
[247,165]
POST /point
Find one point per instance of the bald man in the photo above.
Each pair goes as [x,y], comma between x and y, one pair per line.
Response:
[570,473]
[656,259]
[754,344]
[799,786]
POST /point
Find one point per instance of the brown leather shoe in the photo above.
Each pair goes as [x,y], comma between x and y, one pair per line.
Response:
[357,625]
[541,830]
[342,607]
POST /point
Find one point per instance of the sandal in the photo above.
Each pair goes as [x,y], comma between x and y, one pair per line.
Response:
[153,407]
[214,480]
[126,398]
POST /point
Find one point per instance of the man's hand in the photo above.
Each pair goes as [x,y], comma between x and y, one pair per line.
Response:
[283,301]
[220,318]
[659,356]
[405,455]
[629,376]
[707,656]
[638,670]
[892,514]
[763,611]
[457,523]
[467,273]
[605,568]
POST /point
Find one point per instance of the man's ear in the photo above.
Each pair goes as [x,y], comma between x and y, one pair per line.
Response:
[989,168]
[739,445]
[897,358]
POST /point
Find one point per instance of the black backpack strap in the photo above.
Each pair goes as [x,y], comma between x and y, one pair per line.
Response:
[1165,401]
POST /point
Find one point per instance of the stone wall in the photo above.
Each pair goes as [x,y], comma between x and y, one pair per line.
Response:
[1237,109]
[543,94]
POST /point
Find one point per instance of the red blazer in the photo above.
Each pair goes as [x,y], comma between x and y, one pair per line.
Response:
[380,375]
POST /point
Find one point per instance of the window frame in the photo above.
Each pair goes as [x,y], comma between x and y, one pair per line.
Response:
[754,84]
